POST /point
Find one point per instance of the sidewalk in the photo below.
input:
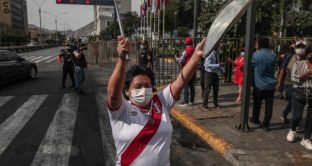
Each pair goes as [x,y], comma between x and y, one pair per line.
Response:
[217,128]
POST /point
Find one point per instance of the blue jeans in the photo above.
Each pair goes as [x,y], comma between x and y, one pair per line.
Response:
[190,86]
[79,77]
[289,93]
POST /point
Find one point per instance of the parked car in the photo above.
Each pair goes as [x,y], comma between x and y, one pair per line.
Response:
[13,67]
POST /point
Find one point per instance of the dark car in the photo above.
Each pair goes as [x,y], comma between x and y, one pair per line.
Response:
[13,67]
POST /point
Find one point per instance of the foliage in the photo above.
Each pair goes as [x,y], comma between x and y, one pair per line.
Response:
[13,39]
[268,17]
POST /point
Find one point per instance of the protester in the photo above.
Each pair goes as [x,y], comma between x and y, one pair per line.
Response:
[141,127]
[301,77]
[68,68]
[264,63]
[212,70]
[189,89]
[145,56]
[239,72]
[80,67]
[284,77]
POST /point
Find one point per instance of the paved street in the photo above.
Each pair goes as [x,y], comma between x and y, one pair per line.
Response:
[40,124]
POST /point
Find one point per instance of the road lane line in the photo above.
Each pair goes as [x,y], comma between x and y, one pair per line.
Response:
[105,128]
[36,58]
[45,58]
[14,124]
[50,60]
[5,99]
[55,148]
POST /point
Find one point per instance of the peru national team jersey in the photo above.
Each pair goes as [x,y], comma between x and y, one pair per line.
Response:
[141,139]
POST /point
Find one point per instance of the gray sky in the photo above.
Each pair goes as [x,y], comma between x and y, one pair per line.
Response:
[76,17]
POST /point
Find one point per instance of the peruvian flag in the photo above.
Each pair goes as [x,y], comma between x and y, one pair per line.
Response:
[143,13]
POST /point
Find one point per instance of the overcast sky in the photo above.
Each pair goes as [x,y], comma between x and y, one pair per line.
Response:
[76,17]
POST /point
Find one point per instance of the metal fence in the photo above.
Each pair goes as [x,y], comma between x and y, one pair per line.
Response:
[166,70]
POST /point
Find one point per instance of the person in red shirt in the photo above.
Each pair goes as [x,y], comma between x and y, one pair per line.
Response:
[189,90]
[239,72]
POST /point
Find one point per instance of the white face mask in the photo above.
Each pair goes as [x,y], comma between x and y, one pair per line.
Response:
[300,51]
[242,53]
[141,97]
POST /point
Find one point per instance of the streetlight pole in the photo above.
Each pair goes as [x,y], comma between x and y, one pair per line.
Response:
[55,20]
[39,7]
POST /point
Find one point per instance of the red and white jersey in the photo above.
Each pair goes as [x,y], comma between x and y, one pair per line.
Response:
[139,140]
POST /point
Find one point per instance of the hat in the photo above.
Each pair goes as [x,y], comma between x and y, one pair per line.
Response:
[188,40]
[301,43]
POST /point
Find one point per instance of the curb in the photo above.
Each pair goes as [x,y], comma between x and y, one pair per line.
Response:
[216,142]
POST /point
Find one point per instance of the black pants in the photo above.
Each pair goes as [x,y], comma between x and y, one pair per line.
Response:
[68,69]
[202,81]
[289,93]
[211,80]
[299,101]
[259,95]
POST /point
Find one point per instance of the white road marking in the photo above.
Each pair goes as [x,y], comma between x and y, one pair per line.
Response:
[45,58]
[5,99]
[52,59]
[105,128]
[55,148]
[14,124]
[36,58]
[29,57]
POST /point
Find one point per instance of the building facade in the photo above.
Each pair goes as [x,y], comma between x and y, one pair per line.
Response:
[104,15]
[13,16]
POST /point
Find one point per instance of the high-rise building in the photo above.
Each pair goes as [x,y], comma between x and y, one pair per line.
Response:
[104,15]
[13,16]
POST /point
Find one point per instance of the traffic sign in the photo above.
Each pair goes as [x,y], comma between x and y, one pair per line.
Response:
[87,2]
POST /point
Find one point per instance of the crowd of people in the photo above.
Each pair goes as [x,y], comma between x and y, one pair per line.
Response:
[139,115]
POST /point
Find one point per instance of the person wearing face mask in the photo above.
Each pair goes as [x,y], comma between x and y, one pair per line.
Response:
[239,72]
[301,75]
[141,127]
[145,56]
[284,77]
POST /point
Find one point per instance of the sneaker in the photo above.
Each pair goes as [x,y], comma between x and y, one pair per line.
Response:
[206,108]
[306,143]
[284,119]
[299,128]
[191,103]
[217,106]
[184,104]
[291,136]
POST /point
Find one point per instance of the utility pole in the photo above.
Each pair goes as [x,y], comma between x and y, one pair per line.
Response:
[39,7]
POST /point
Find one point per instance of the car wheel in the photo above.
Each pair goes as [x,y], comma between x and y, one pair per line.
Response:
[32,73]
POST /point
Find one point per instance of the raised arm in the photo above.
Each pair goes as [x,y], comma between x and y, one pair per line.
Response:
[116,81]
[188,71]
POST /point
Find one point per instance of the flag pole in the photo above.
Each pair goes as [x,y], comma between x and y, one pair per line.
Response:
[164,13]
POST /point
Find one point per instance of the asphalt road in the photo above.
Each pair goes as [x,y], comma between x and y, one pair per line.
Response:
[41,124]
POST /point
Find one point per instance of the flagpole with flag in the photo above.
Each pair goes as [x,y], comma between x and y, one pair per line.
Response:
[164,13]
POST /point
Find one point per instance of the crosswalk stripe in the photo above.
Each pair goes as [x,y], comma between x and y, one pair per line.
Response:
[14,124]
[29,57]
[106,132]
[5,99]
[36,58]
[45,58]
[55,148]
[50,60]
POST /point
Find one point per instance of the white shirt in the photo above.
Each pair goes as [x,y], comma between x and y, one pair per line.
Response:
[127,123]
[299,68]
